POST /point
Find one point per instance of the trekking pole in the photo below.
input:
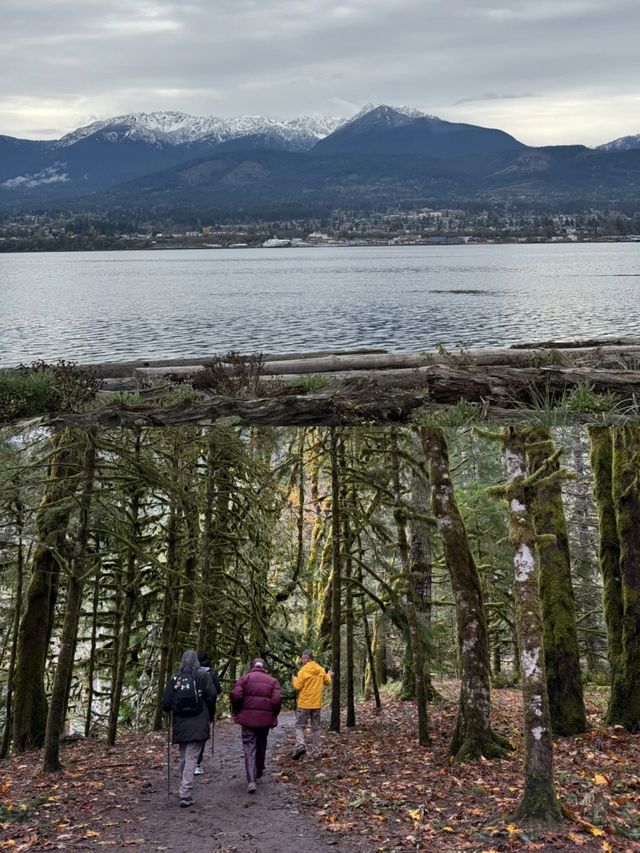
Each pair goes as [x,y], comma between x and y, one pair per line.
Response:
[213,733]
[169,757]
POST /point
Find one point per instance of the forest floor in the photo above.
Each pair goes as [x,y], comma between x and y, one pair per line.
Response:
[374,790]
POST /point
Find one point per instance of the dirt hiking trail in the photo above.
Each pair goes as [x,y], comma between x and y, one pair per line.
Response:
[224,817]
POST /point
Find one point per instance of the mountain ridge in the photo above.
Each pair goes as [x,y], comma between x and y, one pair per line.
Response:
[383,154]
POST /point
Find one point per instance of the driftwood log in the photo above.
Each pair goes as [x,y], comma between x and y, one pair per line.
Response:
[374,386]
[346,364]
[364,404]
[392,396]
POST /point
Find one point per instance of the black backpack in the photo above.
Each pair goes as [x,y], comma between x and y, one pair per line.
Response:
[186,699]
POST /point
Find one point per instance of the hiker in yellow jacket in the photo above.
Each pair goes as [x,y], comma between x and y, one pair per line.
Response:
[308,684]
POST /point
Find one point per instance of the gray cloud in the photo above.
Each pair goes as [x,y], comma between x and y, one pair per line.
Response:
[494,96]
[67,63]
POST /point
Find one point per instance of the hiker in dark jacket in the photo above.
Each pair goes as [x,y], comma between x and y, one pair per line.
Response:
[190,726]
[256,702]
[205,666]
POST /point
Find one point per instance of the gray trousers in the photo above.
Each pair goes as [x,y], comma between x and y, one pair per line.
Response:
[304,716]
[254,744]
[189,753]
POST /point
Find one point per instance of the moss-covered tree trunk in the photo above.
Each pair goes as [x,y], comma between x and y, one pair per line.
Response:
[64,665]
[95,606]
[131,588]
[170,599]
[17,612]
[348,503]
[420,569]
[52,518]
[473,737]
[336,582]
[380,649]
[581,512]
[420,548]
[624,708]
[539,801]
[415,635]
[207,614]
[324,594]
[609,547]
[370,677]
[561,653]
[312,570]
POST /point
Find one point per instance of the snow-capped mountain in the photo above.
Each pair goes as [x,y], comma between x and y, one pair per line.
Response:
[388,153]
[384,114]
[404,131]
[624,143]
[177,128]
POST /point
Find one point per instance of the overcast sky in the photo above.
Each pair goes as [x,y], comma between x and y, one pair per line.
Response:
[547,71]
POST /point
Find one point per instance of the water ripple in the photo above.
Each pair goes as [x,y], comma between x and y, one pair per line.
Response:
[102,306]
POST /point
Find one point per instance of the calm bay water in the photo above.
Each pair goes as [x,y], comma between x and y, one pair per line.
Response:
[114,306]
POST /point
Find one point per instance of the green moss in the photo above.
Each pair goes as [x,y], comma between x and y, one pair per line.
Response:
[609,547]
[539,804]
[624,707]
[561,652]
[489,745]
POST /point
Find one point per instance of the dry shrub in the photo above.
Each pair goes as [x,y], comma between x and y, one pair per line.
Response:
[231,374]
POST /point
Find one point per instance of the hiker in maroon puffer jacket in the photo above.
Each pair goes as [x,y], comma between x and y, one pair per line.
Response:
[255,702]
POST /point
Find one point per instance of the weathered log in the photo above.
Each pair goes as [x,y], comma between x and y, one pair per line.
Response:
[388,396]
[620,341]
[509,386]
[117,369]
[343,365]
[355,406]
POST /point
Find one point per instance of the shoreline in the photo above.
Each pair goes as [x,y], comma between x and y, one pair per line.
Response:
[598,384]
[354,244]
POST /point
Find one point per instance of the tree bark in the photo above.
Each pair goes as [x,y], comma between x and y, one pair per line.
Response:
[539,801]
[29,701]
[130,592]
[349,620]
[170,602]
[19,524]
[624,708]
[92,649]
[609,547]
[415,636]
[336,588]
[369,649]
[64,667]
[473,737]
[420,547]
[561,654]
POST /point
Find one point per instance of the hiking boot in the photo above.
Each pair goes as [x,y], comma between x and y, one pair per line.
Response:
[185,802]
[251,788]
[299,752]
[198,771]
